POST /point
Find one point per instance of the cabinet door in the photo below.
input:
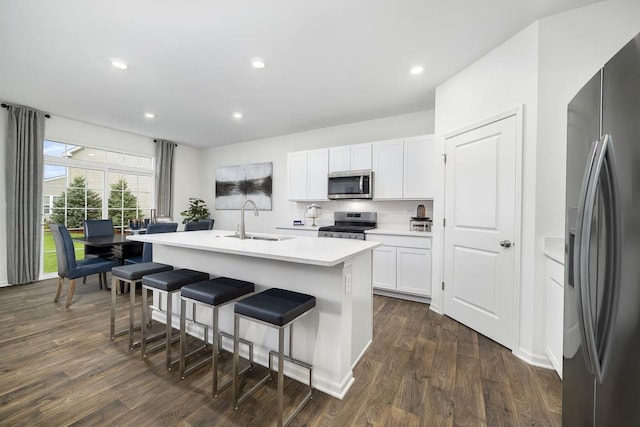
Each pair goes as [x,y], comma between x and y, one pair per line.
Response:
[317,170]
[340,159]
[421,166]
[414,271]
[388,161]
[297,175]
[554,313]
[384,267]
[361,157]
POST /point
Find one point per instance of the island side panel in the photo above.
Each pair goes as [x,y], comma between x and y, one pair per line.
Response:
[323,337]
[362,304]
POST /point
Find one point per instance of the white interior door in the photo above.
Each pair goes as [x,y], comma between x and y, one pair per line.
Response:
[480,197]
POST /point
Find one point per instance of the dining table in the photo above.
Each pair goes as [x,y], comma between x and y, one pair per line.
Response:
[122,248]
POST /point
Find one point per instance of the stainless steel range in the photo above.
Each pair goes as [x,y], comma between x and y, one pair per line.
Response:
[350,225]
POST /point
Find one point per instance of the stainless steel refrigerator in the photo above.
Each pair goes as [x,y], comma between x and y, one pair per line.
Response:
[601,370]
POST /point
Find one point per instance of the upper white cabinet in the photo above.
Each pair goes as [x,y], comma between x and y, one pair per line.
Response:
[405,168]
[350,158]
[388,157]
[307,174]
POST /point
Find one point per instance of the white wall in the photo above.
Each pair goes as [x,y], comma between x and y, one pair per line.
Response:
[503,79]
[187,176]
[275,150]
[560,53]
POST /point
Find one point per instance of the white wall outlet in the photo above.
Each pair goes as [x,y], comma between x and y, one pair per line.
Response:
[347,283]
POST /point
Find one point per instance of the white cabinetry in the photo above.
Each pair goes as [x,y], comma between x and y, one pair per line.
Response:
[388,157]
[307,175]
[554,298]
[402,264]
[350,158]
[405,168]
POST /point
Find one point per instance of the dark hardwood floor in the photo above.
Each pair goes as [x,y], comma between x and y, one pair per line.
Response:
[58,367]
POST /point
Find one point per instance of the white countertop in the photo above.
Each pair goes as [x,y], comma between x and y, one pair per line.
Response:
[554,248]
[399,232]
[303,250]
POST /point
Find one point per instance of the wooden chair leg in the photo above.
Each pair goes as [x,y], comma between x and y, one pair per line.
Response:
[72,288]
[84,280]
[60,280]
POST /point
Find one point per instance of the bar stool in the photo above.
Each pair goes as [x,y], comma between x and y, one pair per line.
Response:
[131,275]
[277,308]
[166,283]
[214,294]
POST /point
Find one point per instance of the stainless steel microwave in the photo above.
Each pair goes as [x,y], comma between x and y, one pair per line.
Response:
[351,185]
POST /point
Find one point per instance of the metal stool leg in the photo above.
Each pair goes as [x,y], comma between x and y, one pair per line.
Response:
[169,335]
[132,304]
[236,357]
[113,308]
[280,376]
[215,352]
[143,339]
[183,335]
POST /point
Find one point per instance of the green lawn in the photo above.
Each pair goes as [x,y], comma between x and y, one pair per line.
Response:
[50,260]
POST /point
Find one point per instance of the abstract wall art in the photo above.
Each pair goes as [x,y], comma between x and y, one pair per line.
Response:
[253,181]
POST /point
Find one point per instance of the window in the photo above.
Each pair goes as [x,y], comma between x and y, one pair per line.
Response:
[90,183]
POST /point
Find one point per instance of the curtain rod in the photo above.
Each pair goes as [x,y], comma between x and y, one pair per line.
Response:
[174,144]
[3,105]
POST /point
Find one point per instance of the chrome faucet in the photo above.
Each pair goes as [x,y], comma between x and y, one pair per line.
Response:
[242,234]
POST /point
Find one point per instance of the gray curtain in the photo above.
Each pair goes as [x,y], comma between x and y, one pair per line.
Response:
[24,170]
[164,176]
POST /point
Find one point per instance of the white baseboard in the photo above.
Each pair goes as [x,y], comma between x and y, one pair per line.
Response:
[408,297]
[539,360]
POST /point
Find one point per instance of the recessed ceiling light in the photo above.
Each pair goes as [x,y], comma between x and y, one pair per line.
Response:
[119,63]
[150,115]
[237,115]
[257,63]
[418,69]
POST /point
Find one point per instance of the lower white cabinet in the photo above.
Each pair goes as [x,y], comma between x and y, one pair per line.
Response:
[554,299]
[402,264]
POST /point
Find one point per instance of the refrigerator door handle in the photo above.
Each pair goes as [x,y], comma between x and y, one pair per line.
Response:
[603,155]
[579,279]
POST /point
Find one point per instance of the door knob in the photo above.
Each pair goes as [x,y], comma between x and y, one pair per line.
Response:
[505,244]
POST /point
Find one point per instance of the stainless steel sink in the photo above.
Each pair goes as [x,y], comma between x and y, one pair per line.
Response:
[259,237]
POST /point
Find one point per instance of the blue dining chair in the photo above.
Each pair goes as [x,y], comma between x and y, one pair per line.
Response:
[203,224]
[95,228]
[147,249]
[70,268]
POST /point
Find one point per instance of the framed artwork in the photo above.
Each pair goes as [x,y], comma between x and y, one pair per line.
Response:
[253,181]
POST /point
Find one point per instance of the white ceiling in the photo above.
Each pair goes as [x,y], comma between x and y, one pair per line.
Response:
[329,62]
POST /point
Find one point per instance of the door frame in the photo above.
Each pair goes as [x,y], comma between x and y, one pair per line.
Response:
[518,112]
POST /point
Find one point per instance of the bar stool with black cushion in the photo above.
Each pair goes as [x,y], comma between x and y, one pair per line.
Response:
[131,275]
[277,308]
[166,283]
[213,294]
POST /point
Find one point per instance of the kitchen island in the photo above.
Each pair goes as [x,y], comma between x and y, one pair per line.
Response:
[337,272]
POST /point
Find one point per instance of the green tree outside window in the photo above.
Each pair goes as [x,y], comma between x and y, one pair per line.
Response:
[123,204]
[82,204]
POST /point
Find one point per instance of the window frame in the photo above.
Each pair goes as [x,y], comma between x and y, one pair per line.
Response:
[105,168]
